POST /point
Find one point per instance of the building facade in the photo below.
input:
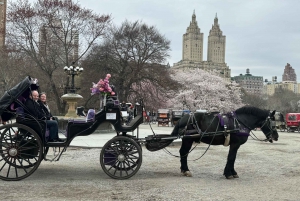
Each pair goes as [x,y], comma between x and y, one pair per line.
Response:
[251,84]
[216,44]
[192,42]
[289,73]
[192,50]
[270,87]
[289,82]
[3,4]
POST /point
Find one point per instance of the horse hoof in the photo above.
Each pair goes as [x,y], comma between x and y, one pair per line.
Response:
[229,177]
[187,173]
[236,176]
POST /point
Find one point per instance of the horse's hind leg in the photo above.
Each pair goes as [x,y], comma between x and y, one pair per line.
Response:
[184,151]
[229,171]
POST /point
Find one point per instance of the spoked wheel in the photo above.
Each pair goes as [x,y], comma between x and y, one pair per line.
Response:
[20,150]
[121,157]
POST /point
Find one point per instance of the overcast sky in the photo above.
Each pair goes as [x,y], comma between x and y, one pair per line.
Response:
[262,35]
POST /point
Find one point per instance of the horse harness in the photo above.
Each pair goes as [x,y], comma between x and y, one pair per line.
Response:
[229,123]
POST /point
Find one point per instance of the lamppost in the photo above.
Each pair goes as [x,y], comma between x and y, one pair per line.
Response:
[72,98]
[72,71]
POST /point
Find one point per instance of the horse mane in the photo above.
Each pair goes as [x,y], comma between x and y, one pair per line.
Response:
[253,111]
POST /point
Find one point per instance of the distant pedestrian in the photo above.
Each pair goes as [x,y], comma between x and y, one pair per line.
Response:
[130,114]
[123,106]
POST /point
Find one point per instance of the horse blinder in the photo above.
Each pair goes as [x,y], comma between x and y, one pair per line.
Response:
[272,127]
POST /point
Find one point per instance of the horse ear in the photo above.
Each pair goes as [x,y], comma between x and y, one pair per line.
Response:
[272,113]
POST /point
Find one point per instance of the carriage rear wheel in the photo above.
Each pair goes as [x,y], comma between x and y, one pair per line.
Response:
[121,157]
[20,150]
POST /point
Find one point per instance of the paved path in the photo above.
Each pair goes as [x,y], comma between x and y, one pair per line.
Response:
[97,140]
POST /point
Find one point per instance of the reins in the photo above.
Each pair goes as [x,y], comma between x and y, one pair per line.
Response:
[268,135]
[192,116]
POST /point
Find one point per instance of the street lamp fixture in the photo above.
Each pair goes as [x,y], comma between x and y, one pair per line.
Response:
[72,71]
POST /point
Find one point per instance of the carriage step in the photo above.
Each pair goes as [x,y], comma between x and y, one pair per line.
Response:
[56,144]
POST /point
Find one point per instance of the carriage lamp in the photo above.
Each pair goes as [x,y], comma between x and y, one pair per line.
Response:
[72,71]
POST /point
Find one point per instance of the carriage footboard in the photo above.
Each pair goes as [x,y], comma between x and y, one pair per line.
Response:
[158,141]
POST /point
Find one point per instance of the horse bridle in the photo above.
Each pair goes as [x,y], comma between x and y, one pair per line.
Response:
[268,122]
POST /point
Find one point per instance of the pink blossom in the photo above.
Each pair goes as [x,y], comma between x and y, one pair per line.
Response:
[103,86]
[101,82]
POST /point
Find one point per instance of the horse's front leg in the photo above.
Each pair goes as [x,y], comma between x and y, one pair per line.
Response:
[229,171]
[184,151]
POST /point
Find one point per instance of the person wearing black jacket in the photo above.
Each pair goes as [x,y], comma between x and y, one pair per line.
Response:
[36,110]
[43,103]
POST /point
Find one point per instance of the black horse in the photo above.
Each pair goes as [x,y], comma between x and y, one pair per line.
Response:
[212,128]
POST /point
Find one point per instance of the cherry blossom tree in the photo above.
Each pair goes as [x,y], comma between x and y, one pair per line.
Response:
[153,96]
[205,90]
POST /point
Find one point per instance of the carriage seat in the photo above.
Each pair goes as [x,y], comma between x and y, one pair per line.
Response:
[90,117]
[131,126]
[20,112]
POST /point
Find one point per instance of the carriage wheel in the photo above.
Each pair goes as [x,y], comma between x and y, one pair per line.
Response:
[121,157]
[21,152]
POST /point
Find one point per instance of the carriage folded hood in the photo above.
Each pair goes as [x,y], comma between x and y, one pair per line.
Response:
[14,93]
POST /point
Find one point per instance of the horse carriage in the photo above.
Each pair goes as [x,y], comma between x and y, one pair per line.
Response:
[175,116]
[279,121]
[163,117]
[292,122]
[24,145]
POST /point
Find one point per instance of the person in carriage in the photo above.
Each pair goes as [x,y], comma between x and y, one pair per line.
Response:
[43,103]
[36,110]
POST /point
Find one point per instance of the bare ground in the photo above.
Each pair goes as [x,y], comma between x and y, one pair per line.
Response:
[267,172]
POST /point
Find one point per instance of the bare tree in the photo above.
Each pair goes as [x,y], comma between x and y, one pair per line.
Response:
[53,34]
[284,101]
[135,54]
[12,68]
[254,100]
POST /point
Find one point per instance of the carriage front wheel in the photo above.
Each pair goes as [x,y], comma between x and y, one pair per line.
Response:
[20,152]
[121,157]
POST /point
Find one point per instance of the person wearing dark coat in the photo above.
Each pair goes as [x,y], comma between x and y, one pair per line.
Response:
[43,103]
[36,110]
